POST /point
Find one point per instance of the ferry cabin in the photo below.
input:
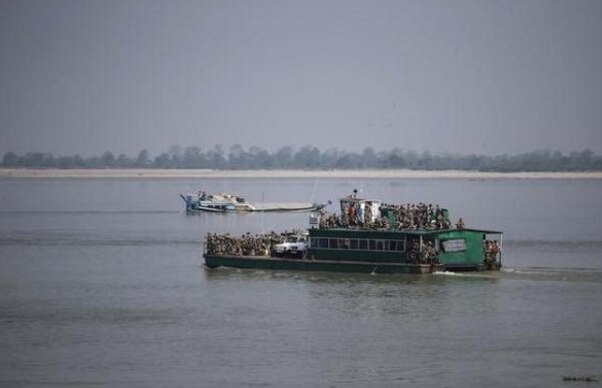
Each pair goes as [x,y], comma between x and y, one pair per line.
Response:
[452,249]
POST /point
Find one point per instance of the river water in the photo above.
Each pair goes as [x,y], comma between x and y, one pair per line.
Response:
[102,283]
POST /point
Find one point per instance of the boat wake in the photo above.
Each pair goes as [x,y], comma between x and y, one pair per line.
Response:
[465,274]
[554,274]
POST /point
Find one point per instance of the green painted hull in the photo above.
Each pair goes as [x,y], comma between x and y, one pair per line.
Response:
[264,262]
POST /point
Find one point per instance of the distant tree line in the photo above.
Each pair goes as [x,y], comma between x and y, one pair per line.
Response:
[310,157]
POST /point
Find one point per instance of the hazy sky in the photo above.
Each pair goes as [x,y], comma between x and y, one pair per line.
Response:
[455,76]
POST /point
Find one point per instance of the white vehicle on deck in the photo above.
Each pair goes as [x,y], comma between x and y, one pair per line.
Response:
[295,246]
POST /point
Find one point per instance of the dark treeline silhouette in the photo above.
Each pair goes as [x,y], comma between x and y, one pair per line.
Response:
[310,157]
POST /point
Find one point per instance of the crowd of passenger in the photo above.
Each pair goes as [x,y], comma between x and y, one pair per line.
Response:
[428,254]
[399,217]
[492,250]
[417,216]
[245,245]
[333,220]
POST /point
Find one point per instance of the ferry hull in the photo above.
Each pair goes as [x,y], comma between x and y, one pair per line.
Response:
[264,262]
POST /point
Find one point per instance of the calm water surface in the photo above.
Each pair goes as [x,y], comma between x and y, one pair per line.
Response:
[102,284]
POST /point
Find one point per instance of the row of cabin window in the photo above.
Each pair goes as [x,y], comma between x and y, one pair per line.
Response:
[358,244]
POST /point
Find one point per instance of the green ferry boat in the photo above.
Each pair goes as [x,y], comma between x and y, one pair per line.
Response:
[367,237]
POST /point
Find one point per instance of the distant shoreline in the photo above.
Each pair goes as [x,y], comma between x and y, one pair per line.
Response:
[326,174]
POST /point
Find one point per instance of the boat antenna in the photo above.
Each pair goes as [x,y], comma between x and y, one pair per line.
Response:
[361,187]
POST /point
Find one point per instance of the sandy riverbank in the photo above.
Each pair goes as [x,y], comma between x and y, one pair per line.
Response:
[351,174]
